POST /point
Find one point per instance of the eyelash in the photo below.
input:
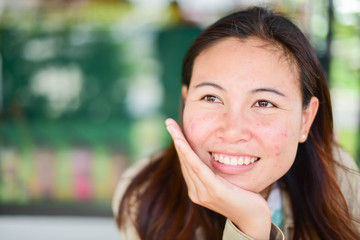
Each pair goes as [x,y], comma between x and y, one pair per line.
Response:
[206,98]
[257,104]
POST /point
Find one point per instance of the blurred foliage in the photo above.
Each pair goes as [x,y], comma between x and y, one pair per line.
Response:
[345,64]
[345,76]
[100,98]
[66,131]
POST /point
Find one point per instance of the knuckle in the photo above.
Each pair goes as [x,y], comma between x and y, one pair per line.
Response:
[196,170]
[194,198]
[204,199]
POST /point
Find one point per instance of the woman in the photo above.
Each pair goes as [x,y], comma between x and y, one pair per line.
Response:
[255,139]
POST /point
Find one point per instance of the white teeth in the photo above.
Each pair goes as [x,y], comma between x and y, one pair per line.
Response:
[227,160]
[234,161]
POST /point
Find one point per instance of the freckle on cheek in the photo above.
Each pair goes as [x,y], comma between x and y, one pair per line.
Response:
[277,151]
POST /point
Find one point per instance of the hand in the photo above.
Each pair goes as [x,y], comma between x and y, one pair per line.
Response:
[247,210]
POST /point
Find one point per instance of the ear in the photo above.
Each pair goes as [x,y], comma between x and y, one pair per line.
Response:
[308,115]
[184,92]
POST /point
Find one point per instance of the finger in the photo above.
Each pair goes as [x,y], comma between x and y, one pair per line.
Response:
[195,186]
[175,131]
[186,156]
[190,182]
[193,168]
[178,138]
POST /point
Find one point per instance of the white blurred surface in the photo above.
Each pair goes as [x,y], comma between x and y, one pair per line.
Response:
[56,228]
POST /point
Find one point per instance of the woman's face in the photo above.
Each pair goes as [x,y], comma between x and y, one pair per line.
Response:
[243,112]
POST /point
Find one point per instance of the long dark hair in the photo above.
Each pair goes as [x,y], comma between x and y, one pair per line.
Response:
[164,210]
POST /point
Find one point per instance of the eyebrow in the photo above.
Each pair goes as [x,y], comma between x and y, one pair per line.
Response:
[271,90]
[211,84]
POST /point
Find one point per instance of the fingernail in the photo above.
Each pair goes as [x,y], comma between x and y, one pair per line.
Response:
[169,128]
[167,121]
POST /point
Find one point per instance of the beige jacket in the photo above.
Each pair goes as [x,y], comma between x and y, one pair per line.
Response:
[349,183]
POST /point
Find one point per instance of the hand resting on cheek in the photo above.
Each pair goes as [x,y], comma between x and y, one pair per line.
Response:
[247,210]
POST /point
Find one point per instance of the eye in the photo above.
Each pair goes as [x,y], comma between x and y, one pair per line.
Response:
[264,104]
[211,99]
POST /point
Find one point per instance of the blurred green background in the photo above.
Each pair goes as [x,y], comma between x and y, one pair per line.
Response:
[86,85]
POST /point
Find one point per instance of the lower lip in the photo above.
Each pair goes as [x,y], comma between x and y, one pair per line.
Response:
[230,169]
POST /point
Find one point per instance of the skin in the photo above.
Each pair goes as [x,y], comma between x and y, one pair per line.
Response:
[244,100]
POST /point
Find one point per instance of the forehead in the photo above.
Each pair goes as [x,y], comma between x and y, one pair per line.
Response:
[277,50]
[239,52]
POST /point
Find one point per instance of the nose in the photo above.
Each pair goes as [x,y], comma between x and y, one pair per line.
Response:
[235,127]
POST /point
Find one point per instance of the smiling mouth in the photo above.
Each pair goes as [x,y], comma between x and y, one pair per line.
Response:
[234,161]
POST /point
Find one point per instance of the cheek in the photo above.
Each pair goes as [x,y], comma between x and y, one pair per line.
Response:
[190,130]
[279,146]
[279,138]
[196,128]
